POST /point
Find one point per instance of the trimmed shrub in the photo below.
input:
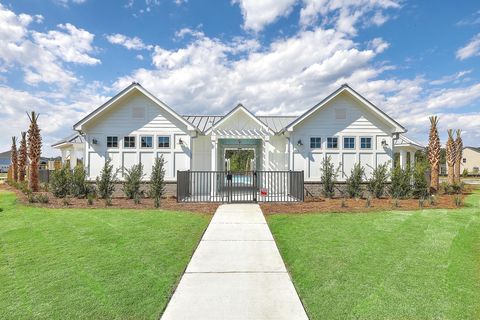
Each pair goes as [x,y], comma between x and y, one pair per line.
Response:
[60,182]
[378,182]
[79,187]
[465,173]
[328,177]
[157,181]
[420,183]
[133,179]
[401,179]
[42,198]
[354,181]
[106,181]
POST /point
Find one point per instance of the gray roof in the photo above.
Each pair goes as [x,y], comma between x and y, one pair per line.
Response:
[276,123]
[6,155]
[73,138]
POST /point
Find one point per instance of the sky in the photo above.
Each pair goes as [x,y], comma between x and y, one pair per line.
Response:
[413,59]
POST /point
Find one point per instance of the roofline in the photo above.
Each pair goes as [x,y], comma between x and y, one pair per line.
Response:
[239,106]
[138,86]
[343,87]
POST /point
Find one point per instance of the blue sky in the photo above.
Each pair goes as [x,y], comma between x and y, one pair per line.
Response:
[412,59]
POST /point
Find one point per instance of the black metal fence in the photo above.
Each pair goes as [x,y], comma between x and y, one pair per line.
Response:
[237,187]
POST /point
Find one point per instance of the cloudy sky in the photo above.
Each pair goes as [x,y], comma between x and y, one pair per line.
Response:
[63,58]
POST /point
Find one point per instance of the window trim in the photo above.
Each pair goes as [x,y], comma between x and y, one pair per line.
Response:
[169,141]
[336,148]
[134,142]
[315,137]
[354,142]
[146,136]
[111,146]
[371,142]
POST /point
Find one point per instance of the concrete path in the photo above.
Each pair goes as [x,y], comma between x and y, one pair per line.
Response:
[236,272]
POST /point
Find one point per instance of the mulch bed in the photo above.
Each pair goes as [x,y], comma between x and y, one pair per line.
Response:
[169,203]
[318,205]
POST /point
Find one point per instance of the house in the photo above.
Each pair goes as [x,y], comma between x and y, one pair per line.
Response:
[470,160]
[5,161]
[135,127]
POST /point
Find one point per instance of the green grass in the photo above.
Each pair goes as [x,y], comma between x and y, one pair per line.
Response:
[91,263]
[385,265]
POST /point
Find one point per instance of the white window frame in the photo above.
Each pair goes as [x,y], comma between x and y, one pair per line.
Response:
[354,142]
[310,142]
[118,140]
[134,142]
[371,143]
[164,136]
[147,136]
[326,142]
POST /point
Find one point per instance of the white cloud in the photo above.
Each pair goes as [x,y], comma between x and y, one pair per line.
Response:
[453,78]
[74,45]
[470,49]
[134,43]
[258,14]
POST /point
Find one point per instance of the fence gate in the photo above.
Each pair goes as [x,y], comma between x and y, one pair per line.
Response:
[240,187]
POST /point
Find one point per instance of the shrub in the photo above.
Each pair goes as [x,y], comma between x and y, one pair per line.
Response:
[66,201]
[368,202]
[31,198]
[133,179]
[60,182]
[157,181]
[106,181]
[329,175]
[395,203]
[432,200]
[420,183]
[42,198]
[79,187]
[354,181]
[457,200]
[455,188]
[344,203]
[377,183]
[90,198]
[400,186]
[421,202]
[108,202]
[465,173]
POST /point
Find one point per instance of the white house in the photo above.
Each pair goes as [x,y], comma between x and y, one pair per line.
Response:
[135,127]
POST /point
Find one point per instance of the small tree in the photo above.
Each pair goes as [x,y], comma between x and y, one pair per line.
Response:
[157,181]
[434,154]
[451,150]
[378,181]
[458,155]
[14,159]
[106,181]
[328,177]
[420,183]
[354,181]
[22,158]
[34,151]
[79,187]
[400,186]
[133,180]
[60,182]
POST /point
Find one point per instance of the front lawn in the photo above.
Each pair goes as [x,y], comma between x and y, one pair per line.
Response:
[91,263]
[385,265]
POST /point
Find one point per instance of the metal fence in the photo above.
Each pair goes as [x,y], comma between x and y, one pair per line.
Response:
[237,187]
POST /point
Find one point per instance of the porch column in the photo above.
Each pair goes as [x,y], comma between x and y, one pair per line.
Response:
[73,158]
[213,186]
[266,149]
[403,159]
[412,159]
[64,155]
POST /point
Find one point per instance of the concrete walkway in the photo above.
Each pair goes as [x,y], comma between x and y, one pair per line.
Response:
[236,272]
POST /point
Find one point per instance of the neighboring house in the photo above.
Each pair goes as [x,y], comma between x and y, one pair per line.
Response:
[135,127]
[72,148]
[5,161]
[471,160]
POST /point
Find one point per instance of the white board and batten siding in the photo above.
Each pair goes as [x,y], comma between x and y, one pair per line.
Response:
[136,115]
[342,117]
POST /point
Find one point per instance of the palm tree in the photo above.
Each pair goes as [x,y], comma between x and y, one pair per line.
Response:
[434,154]
[458,155]
[34,151]
[451,156]
[22,157]
[14,159]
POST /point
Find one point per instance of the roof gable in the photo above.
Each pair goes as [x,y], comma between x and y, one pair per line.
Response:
[245,118]
[113,101]
[346,88]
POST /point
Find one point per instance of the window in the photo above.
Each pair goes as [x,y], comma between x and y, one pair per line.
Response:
[464,160]
[129,142]
[349,143]
[112,142]
[315,142]
[366,143]
[146,142]
[164,142]
[332,143]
